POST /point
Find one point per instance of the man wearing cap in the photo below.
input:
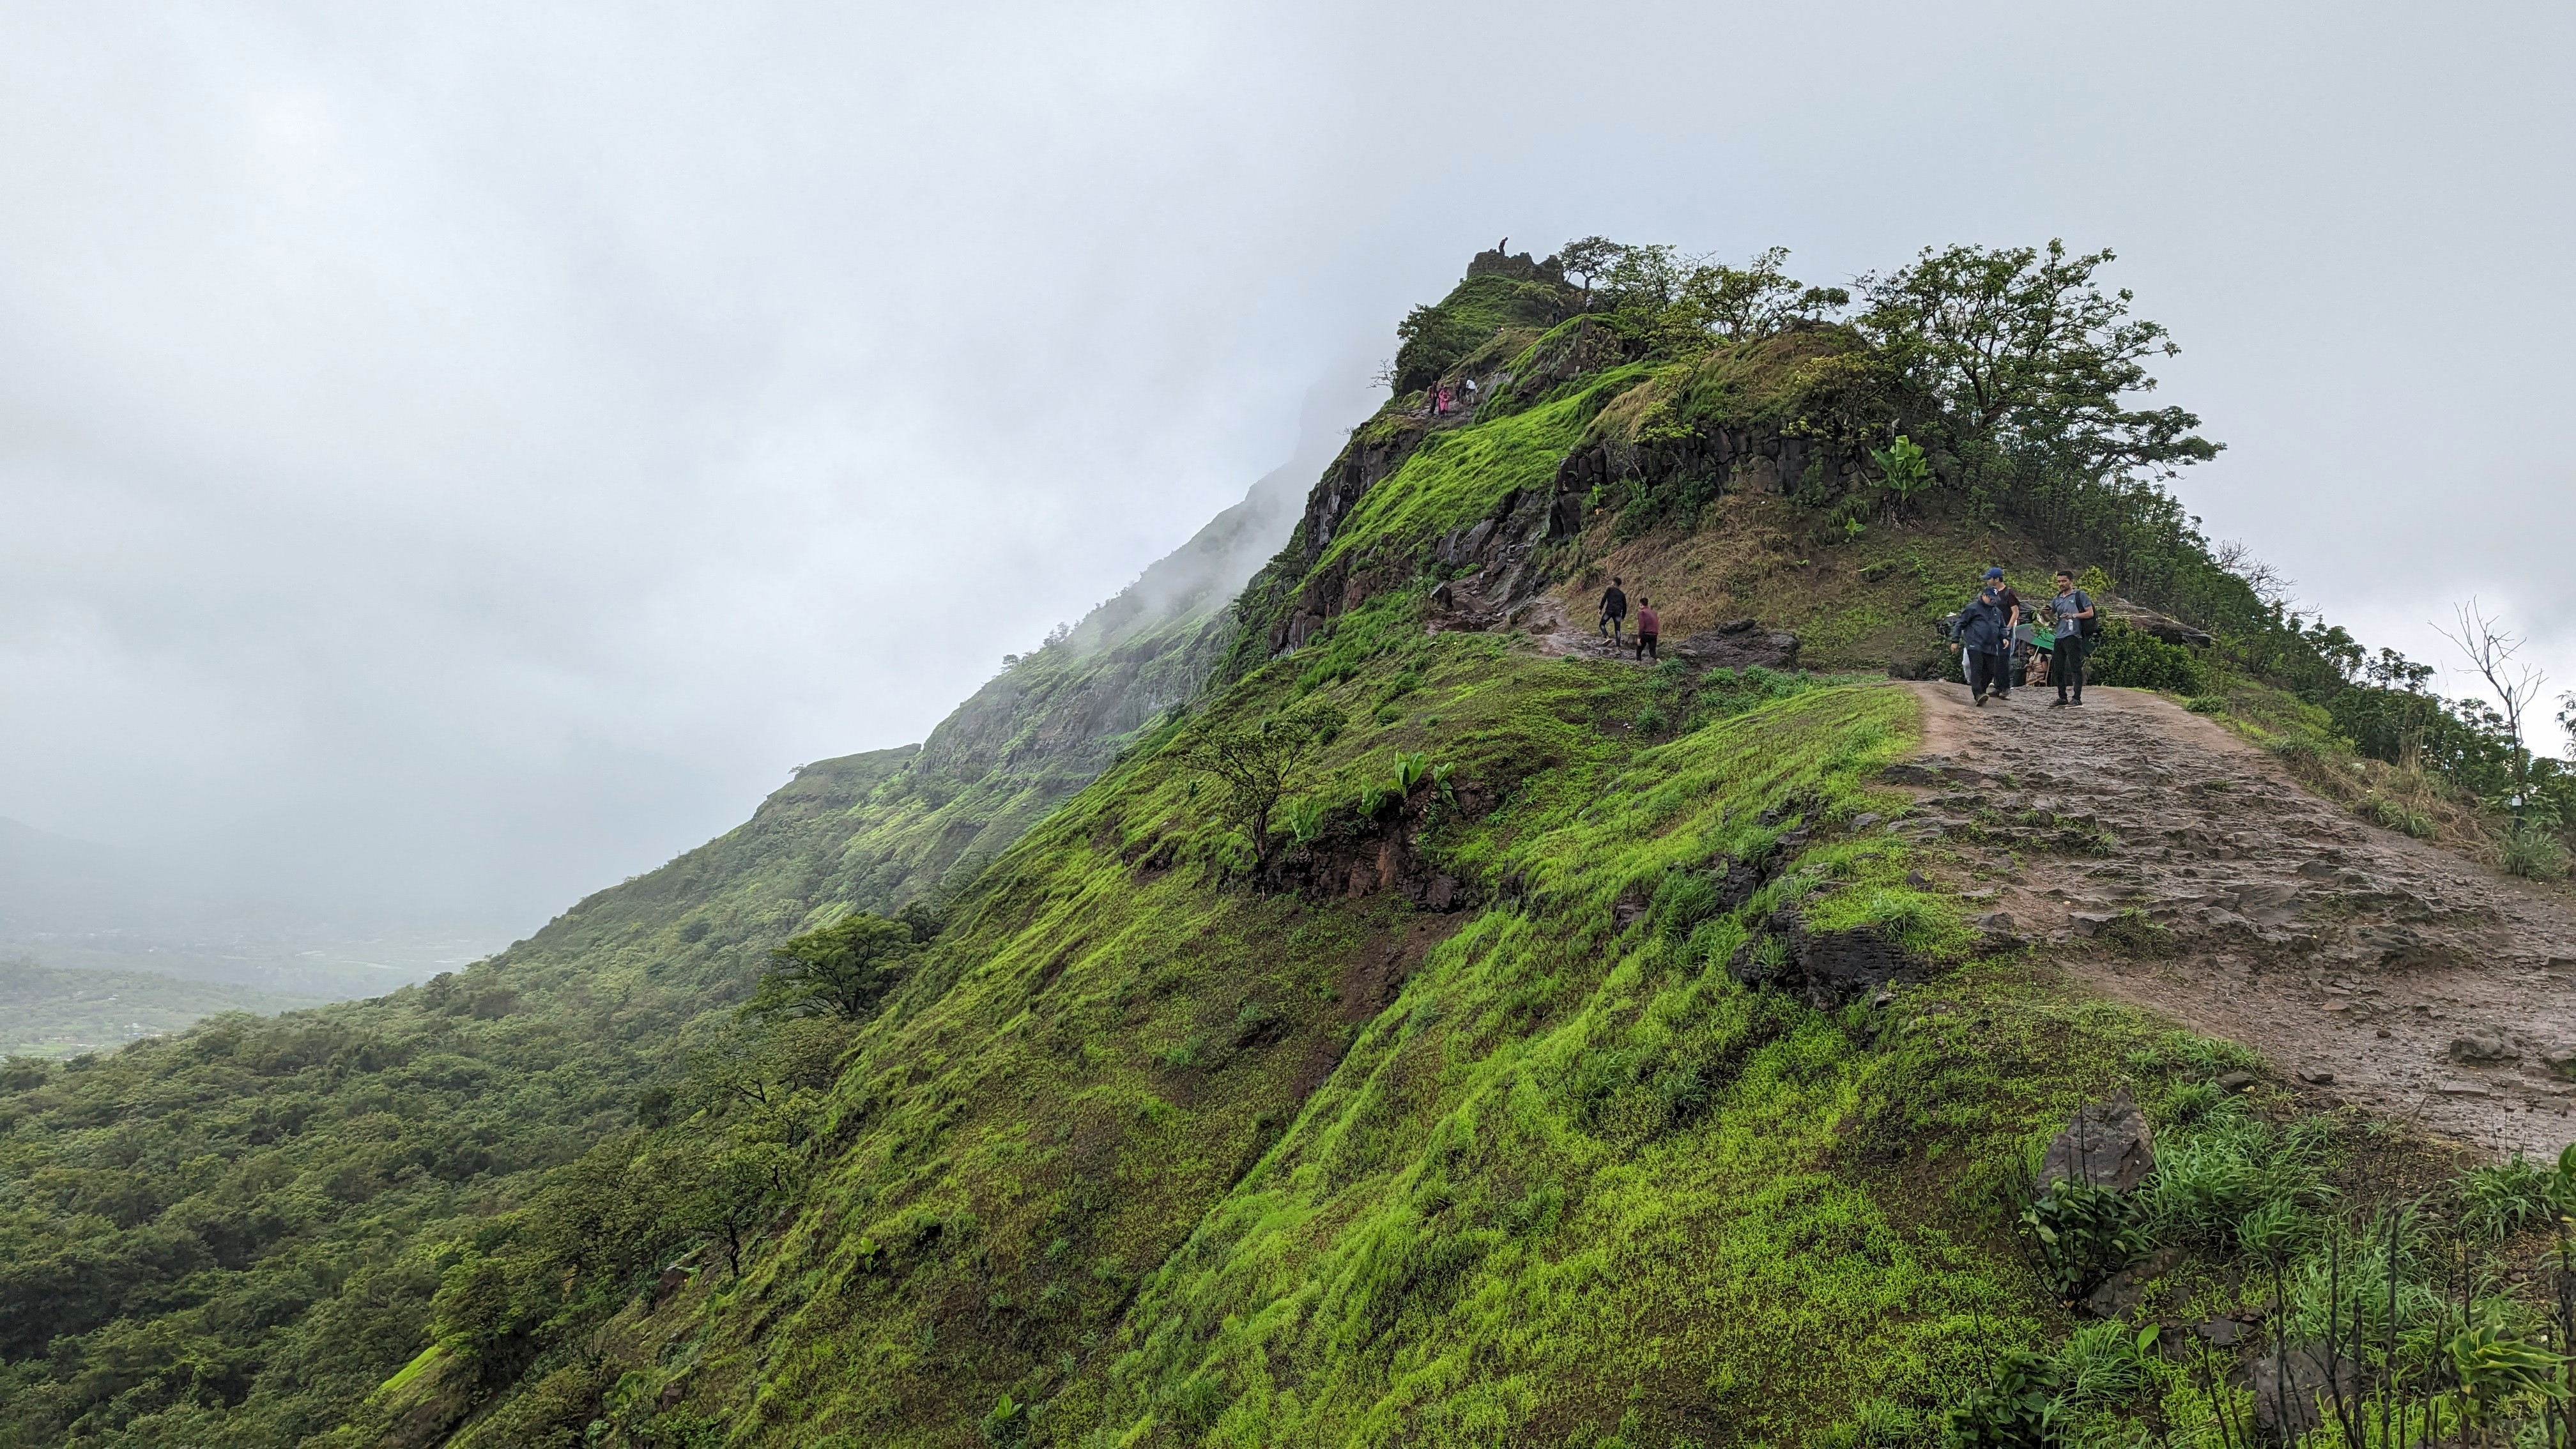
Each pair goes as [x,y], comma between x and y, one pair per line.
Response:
[2012,620]
[1977,632]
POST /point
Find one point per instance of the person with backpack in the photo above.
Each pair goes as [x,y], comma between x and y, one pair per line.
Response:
[2076,625]
[1650,625]
[1614,611]
[2012,629]
[1977,632]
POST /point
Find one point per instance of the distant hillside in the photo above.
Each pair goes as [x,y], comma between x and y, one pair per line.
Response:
[310,1177]
[53,1013]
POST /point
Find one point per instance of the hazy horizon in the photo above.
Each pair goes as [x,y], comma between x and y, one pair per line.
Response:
[461,458]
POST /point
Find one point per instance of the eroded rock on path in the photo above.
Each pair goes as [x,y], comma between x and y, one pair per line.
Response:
[2194,876]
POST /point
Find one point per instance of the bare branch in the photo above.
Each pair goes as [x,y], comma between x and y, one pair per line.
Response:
[2490,649]
[2269,584]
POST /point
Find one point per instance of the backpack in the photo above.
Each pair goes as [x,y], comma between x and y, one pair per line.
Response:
[2087,629]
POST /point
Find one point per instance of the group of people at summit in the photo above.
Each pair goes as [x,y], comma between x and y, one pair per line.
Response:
[1985,635]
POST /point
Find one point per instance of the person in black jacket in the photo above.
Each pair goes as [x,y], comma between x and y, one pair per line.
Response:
[1983,641]
[1614,610]
[2002,683]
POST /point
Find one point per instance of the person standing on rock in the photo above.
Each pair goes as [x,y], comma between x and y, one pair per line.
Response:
[2073,611]
[1981,640]
[1614,610]
[2012,625]
[1649,625]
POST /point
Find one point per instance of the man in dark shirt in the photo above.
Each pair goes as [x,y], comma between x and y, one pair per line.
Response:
[2012,621]
[1614,610]
[1978,634]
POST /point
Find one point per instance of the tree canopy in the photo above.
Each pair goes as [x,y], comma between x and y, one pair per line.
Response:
[841,970]
[1252,765]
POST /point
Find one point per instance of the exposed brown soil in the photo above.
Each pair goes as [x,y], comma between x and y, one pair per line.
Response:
[2380,970]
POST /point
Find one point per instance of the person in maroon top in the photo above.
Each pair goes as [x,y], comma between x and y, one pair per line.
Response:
[1649,624]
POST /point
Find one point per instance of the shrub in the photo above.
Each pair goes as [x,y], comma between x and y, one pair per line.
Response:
[2189,1102]
[2105,1366]
[2235,1181]
[2499,1201]
[2399,816]
[2134,659]
[1007,1422]
[2009,1412]
[1306,820]
[2530,850]
[2082,1234]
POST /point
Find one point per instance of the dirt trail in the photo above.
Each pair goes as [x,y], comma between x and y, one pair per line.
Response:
[1556,634]
[2381,970]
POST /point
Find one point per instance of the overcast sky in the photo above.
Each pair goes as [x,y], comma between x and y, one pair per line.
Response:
[456,456]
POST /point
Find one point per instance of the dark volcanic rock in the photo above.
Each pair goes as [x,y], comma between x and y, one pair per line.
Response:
[2127,1288]
[2294,1394]
[1828,969]
[2106,1144]
[1720,649]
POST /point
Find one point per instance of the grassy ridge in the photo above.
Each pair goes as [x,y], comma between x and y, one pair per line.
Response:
[1572,1177]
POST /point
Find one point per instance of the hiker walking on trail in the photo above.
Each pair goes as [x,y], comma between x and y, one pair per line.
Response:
[2012,626]
[2074,616]
[1614,610]
[1978,633]
[1649,625]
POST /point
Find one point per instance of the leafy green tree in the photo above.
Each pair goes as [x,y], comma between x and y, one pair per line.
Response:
[1587,260]
[1757,300]
[1431,340]
[733,1192]
[1644,281]
[1252,765]
[2027,364]
[842,970]
[472,1318]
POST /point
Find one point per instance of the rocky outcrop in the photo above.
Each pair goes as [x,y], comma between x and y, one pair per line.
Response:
[1363,856]
[2106,1144]
[1827,970]
[2147,621]
[1516,266]
[1740,644]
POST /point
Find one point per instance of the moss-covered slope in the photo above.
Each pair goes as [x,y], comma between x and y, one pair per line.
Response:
[1151,1156]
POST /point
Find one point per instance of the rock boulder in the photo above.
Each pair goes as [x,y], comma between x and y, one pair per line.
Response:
[2106,1144]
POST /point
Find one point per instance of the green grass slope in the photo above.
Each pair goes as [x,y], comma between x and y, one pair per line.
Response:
[1153,1161]
[1150,1156]
[1462,1117]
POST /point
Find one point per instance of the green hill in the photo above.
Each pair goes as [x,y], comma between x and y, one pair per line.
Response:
[1443,1031]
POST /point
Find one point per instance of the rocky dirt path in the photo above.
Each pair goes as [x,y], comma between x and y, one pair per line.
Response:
[2378,969]
[1734,645]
